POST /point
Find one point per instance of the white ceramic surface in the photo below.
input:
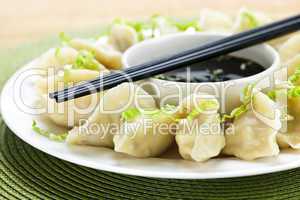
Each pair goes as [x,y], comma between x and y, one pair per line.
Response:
[168,166]
[228,92]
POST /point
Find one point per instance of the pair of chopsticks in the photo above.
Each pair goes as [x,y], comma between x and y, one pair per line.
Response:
[198,54]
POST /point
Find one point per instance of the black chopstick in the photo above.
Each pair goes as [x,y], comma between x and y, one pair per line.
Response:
[201,53]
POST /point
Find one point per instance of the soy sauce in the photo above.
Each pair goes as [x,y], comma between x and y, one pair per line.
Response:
[223,68]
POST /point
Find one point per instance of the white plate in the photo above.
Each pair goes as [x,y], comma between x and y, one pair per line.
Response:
[168,166]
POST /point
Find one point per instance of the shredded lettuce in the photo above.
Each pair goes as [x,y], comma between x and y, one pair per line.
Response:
[192,115]
[57,52]
[251,19]
[294,92]
[131,114]
[294,78]
[294,89]
[247,93]
[202,107]
[52,136]
[272,94]
[64,38]
[86,60]
[184,25]
[235,113]
[246,99]
[148,28]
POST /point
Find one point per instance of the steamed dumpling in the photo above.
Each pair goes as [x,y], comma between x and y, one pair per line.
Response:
[100,127]
[248,19]
[293,64]
[67,113]
[289,104]
[253,134]
[199,136]
[122,37]
[97,130]
[146,136]
[104,53]
[294,107]
[291,136]
[215,21]
[290,48]
[278,42]
[56,58]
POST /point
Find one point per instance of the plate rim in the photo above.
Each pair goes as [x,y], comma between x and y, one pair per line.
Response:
[130,171]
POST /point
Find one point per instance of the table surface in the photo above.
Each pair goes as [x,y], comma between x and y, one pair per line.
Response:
[26,21]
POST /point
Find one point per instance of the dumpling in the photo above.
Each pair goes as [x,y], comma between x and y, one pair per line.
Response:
[290,137]
[253,134]
[290,48]
[68,113]
[146,136]
[277,43]
[215,21]
[294,107]
[293,64]
[288,101]
[248,19]
[98,130]
[56,58]
[122,37]
[104,53]
[199,136]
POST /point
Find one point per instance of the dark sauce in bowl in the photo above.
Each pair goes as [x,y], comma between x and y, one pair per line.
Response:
[223,68]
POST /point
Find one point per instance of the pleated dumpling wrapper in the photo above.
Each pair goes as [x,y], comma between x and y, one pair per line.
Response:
[215,21]
[291,48]
[69,113]
[248,19]
[290,137]
[253,133]
[145,134]
[199,136]
[83,67]
[293,66]
[100,127]
[122,37]
[104,53]
[55,58]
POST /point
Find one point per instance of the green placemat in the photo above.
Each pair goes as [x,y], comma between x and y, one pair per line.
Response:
[27,173]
